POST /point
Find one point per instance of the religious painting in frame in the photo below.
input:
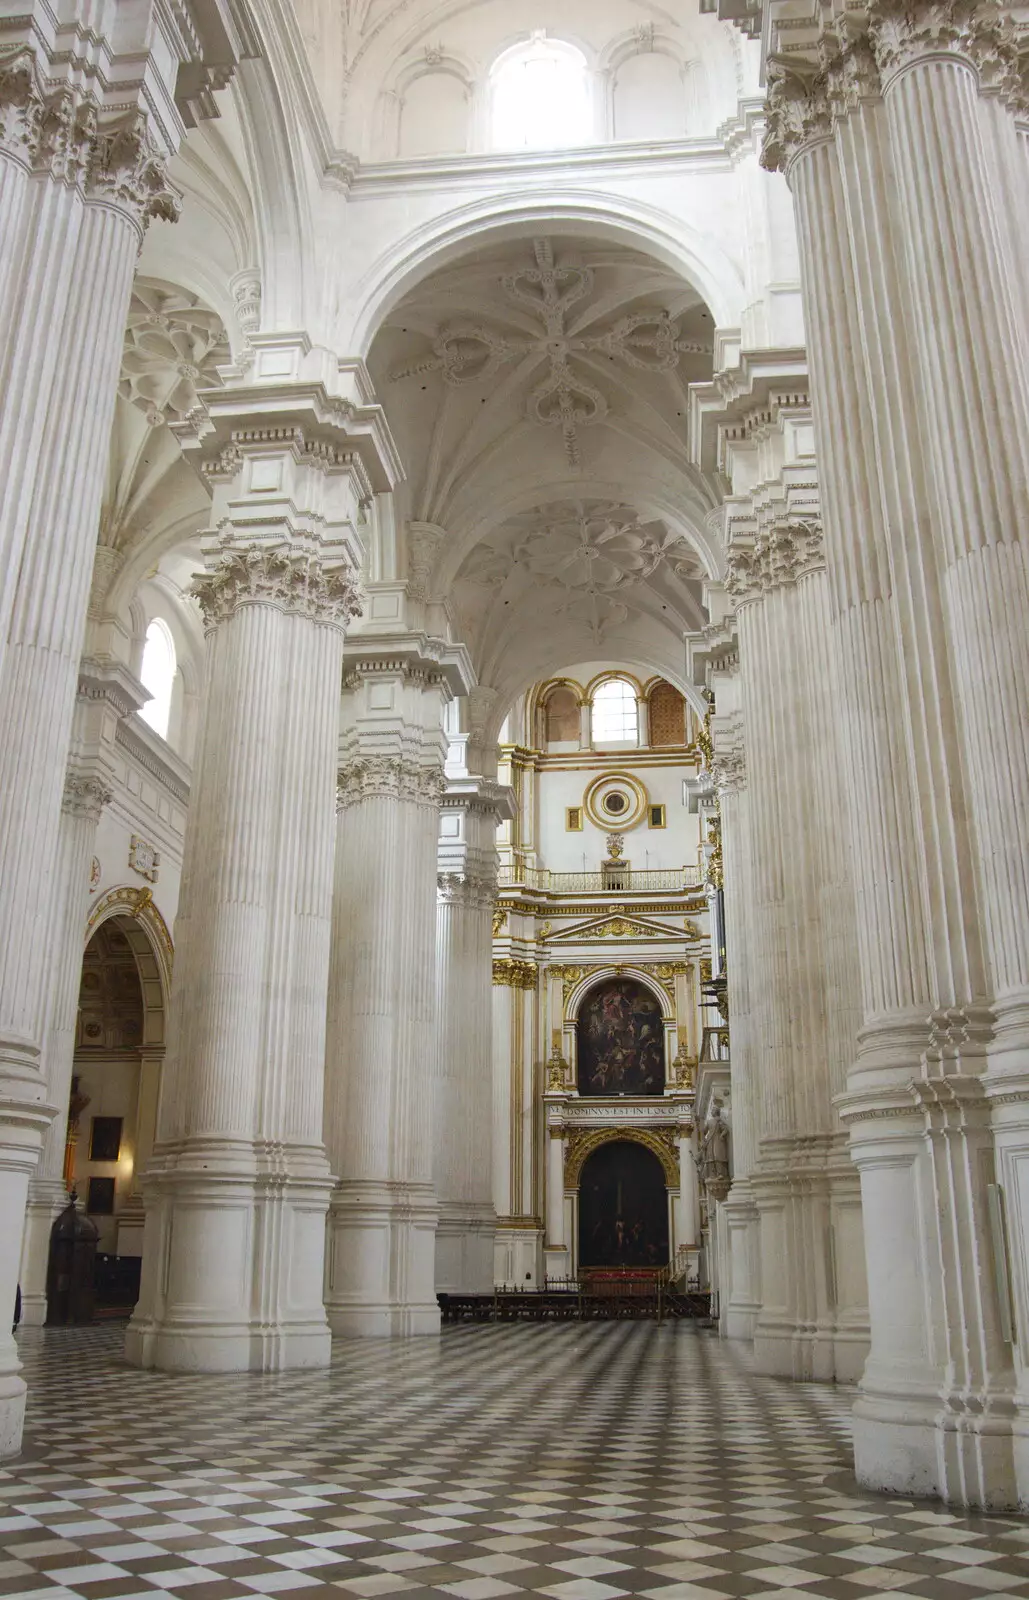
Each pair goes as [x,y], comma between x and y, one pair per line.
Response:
[621,1040]
[623,1208]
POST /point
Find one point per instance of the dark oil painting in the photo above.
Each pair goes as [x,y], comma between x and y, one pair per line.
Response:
[623,1208]
[621,1040]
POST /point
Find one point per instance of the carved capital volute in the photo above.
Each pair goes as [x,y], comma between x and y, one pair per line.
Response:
[288,579]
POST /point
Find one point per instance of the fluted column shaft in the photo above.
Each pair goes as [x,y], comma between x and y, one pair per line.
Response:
[78,183]
[463,1140]
[801,992]
[382,1028]
[239,1184]
[84,798]
[935,1413]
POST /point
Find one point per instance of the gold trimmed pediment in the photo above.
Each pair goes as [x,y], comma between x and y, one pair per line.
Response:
[614,925]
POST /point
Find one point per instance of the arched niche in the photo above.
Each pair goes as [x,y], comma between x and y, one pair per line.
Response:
[666,714]
[623,1210]
[649,98]
[620,1039]
[434,110]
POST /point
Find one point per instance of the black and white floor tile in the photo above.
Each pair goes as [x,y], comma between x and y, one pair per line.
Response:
[578,1462]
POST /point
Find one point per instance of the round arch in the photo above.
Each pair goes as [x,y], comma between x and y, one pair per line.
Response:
[699,259]
[617,970]
[651,1138]
[151,946]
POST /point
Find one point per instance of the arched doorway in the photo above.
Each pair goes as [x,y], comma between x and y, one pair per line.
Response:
[623,1207]
[116,1070]
[620,1040]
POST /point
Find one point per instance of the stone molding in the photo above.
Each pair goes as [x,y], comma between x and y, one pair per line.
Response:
[85,796]
[65,133]
[289,579]
[472,890]
[775,560]
[860,55]
[376,777]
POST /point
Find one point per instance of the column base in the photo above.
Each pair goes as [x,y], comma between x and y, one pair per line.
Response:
[464,1248]
[518,1253]
[738,1227]
[12,1412]
[232,1261]
[47,1198]
[380,1280]
[902,1447]
[813,1316]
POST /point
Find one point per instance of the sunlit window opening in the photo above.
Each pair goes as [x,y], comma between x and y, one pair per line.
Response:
[157,675]
[615,713]
[541,96]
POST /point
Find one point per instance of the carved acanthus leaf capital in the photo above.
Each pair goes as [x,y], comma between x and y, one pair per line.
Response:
[469,889]
[85,796]
[291,580]
[797,114]
[776,559]
[65,132]
[730,770]
[382,777]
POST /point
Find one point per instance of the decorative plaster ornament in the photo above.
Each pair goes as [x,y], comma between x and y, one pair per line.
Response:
[173,347]
[472,352]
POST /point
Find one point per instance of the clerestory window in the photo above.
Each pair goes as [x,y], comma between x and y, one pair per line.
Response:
[541,96]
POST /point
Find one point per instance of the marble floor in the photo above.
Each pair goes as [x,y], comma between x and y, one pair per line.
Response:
[580,1462]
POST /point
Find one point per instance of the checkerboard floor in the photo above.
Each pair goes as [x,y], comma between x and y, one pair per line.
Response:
[579,1461]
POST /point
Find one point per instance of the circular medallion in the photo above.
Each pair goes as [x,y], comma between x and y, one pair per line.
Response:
[615,801]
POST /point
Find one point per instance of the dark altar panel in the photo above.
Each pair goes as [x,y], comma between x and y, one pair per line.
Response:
[621,1040]
[623,1207]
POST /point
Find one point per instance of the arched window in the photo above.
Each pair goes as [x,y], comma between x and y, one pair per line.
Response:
[615,718]
[157,674]
[541,96]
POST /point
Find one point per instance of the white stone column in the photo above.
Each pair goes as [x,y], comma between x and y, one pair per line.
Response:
[382,1043]
[84,798]
[84,137]
[936,1406]
[463,1139]
[951,122]
[239,1183]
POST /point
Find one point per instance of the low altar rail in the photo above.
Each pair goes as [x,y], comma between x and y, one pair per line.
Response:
[601,1294]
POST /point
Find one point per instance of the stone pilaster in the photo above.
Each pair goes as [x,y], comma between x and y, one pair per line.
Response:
[883,132]
[84,798]
[239,1184]
[382,1025]
[466,889]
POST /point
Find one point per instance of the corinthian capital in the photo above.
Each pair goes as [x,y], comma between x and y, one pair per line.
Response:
[797,113]
[288,579]
[65,132]
[467,889]
[776,559]
[84,797]
[382,777]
